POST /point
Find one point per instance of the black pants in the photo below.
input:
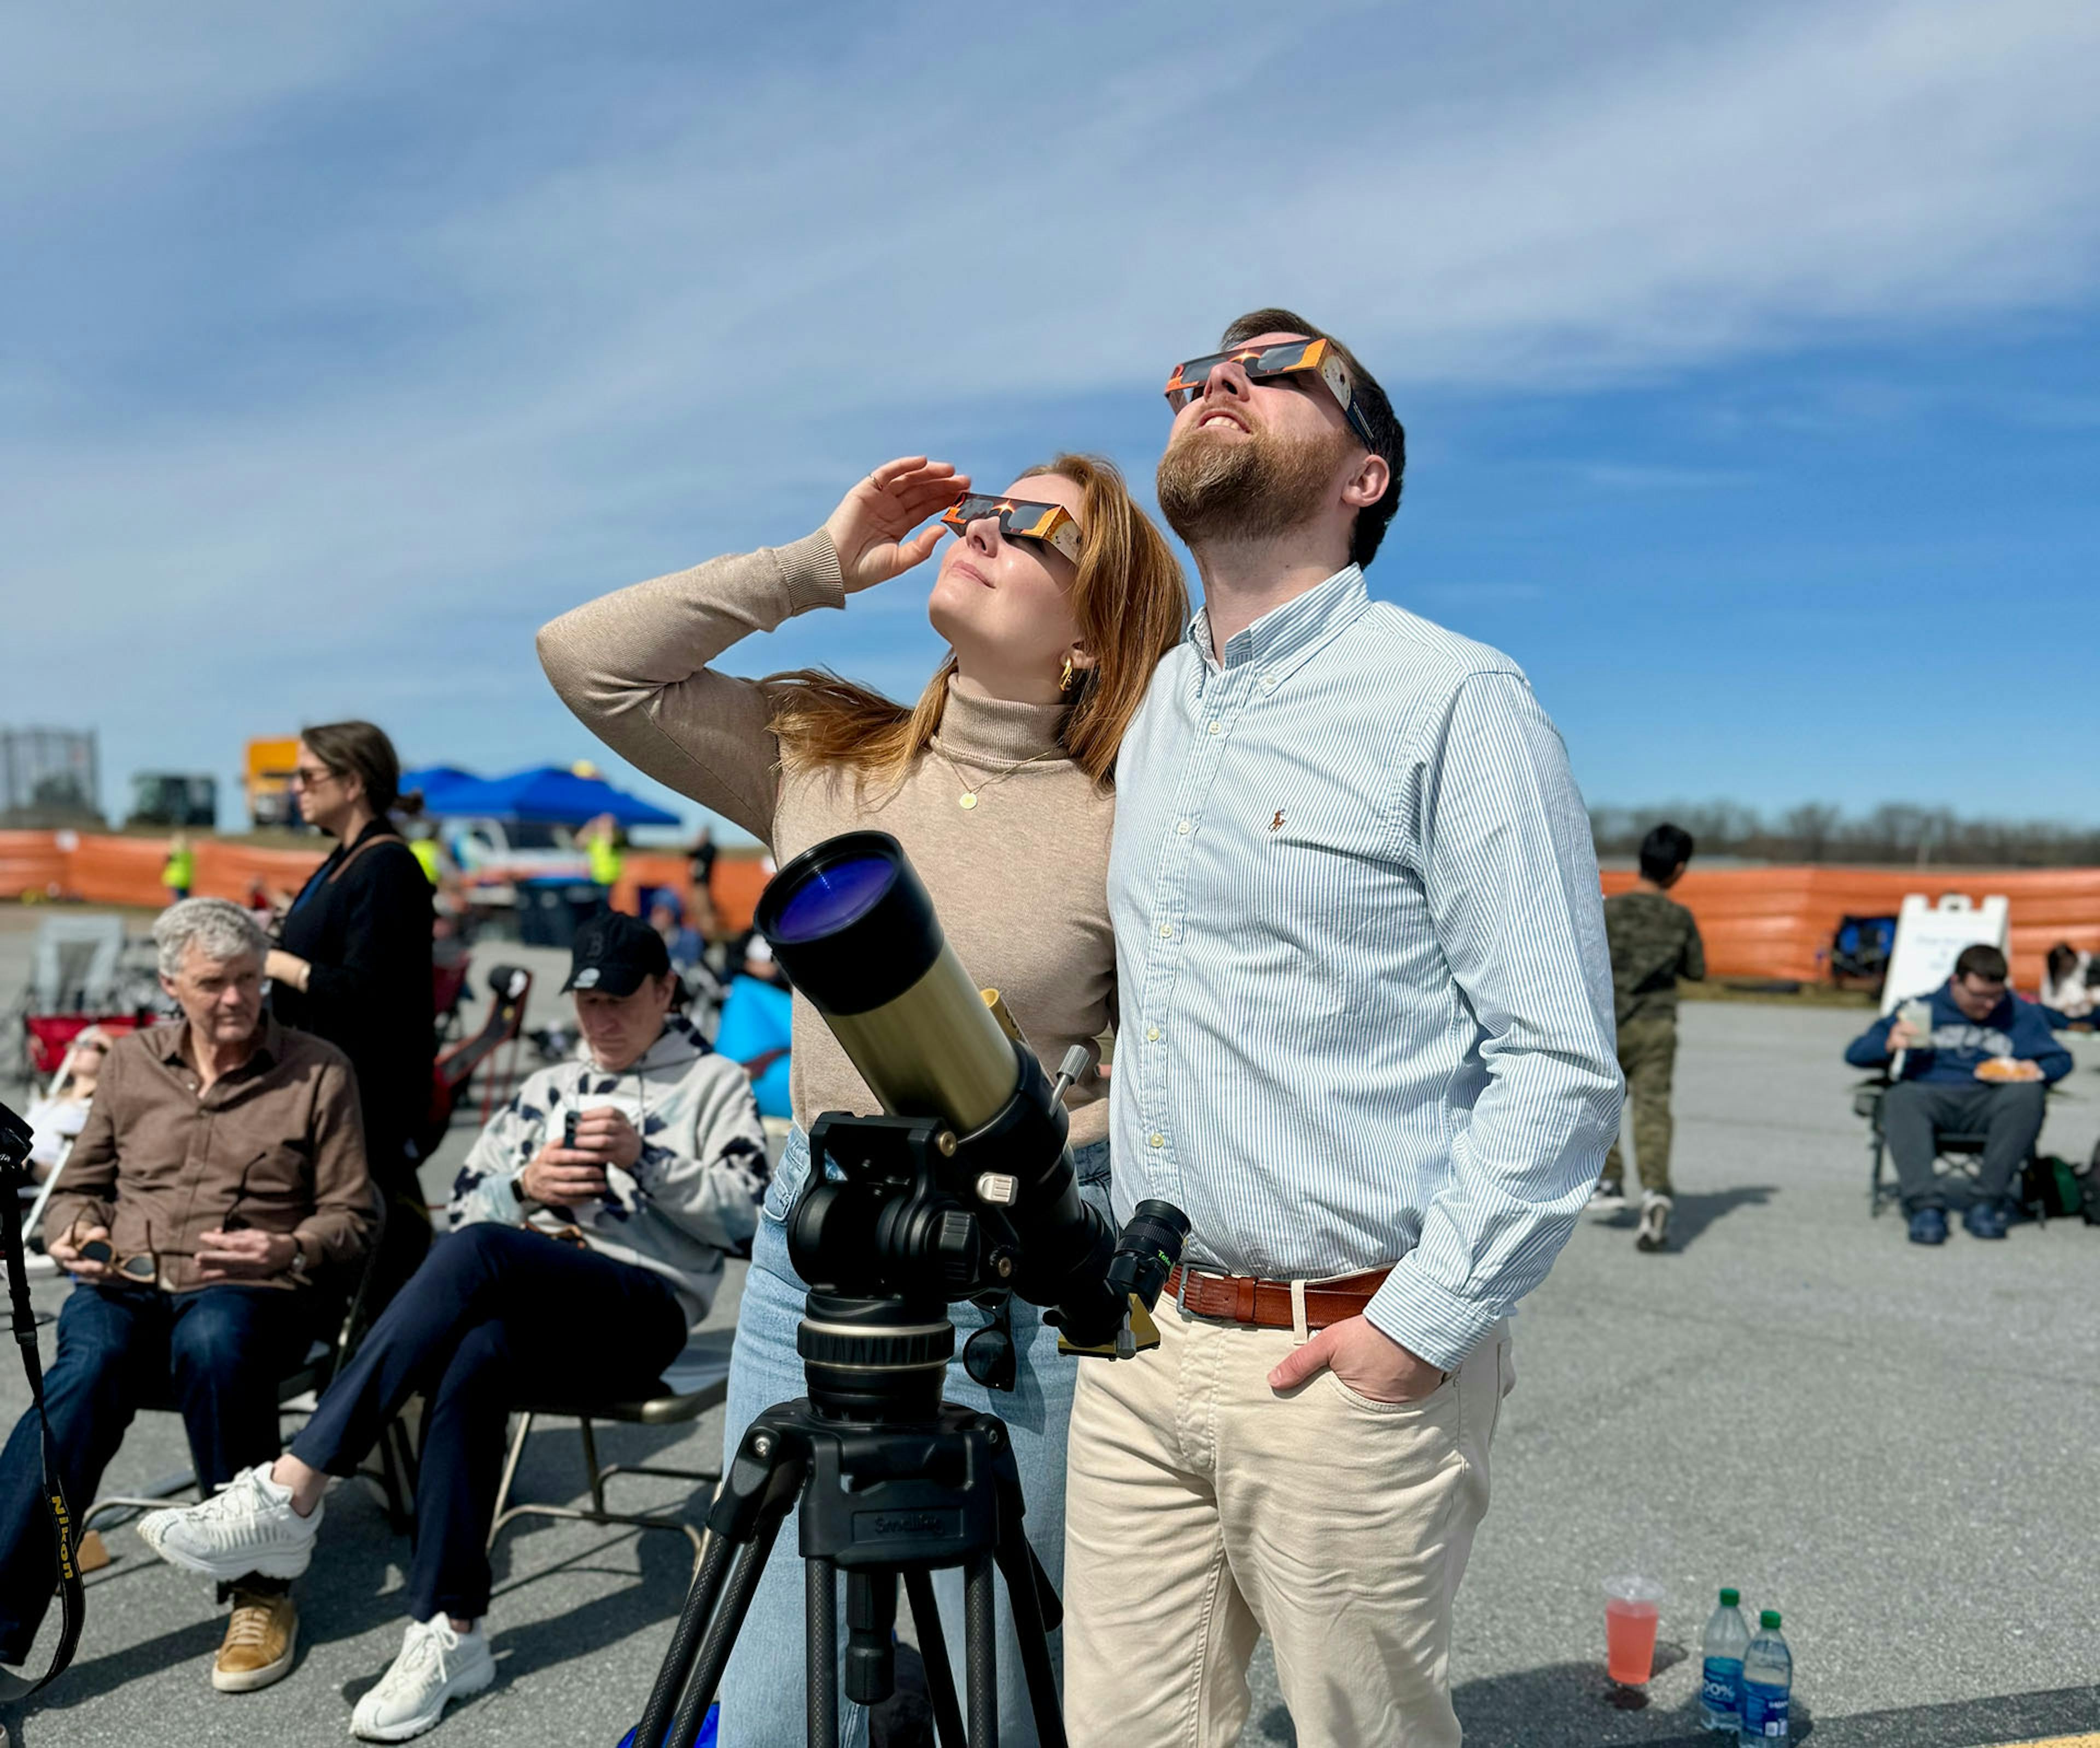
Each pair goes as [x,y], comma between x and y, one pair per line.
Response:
[217,1353]
[1914,1113]
[495,1315]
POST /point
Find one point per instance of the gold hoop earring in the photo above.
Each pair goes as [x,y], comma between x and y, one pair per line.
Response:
[1065,680]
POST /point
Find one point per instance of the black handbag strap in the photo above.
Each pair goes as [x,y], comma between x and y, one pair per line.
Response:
[72,1601]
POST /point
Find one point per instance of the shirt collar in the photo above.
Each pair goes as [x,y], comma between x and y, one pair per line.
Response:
[1285,637]
[269,1047]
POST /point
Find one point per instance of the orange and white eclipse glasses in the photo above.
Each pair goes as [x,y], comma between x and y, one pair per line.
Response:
[1282,358]
[1051,524]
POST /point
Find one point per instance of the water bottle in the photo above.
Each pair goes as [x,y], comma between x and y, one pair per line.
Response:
[1767,1684]
[1721,1682]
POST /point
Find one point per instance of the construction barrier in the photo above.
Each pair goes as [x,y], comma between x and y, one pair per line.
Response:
[1765,923]
[1776,923]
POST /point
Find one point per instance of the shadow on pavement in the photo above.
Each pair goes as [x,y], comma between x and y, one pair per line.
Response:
[1697,1211]
[1570,1704]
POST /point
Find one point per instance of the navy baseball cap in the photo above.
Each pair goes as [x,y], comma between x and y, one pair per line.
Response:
[615,953]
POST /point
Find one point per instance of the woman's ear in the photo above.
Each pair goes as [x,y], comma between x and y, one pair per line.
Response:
[1082,659]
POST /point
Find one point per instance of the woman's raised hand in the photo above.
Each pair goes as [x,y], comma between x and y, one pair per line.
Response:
[870,526]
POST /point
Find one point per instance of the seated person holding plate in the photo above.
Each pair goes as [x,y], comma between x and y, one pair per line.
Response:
[1976,1060]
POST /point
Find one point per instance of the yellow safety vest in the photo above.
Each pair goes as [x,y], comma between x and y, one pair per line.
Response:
[425,850]
[604,861]
[180,873]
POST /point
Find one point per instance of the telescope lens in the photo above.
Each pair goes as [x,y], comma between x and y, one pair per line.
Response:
[828,898]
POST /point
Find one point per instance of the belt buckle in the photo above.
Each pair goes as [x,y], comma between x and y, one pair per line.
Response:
[1189,1270]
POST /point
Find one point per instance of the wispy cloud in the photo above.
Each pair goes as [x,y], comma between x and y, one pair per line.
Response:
[346,333]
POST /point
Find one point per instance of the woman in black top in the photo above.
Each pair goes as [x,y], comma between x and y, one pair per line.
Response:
[352,964]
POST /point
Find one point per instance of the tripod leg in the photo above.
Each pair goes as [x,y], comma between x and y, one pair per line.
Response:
[722,1633]
[981,1651]
[821,1632]
[1024,1573]
[693,1621]
[871,1630]
[940,1678]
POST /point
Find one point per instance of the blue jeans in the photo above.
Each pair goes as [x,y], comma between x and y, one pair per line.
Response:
[763,1688]
[215,1353]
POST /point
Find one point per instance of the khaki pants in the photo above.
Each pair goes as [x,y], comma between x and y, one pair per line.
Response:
[1203,1508]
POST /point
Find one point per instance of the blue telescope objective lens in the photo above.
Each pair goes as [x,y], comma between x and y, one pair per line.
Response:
[831,899]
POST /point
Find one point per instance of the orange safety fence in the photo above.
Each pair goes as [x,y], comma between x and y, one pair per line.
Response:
[1777,922]
[110,870]
[1760,922]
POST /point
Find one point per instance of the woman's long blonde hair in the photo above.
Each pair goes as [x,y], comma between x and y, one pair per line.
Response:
[1130,602]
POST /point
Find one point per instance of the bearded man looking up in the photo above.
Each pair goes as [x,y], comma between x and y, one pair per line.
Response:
[1366,1044]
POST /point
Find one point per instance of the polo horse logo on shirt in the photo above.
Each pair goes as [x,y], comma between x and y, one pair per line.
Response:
[1277,823]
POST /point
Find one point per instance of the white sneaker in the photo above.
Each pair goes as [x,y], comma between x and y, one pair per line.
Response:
[438,1664]
[1654,1232]
[1608,1196]
[248,1525]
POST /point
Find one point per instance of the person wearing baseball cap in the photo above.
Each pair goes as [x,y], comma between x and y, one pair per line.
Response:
[589,1228]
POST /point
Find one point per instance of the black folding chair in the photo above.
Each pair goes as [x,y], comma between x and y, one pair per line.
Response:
[696,1381]
[296,1392]
[1957,1155]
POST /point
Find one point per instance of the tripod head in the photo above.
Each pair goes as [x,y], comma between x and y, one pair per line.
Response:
[15,1139]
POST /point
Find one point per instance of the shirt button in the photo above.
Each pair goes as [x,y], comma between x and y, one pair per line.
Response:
[1166,931]
[1183,828]
[1214,728]
[1152,1034]
[1156,1139]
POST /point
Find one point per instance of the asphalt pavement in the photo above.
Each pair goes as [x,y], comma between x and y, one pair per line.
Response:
[1894,1446]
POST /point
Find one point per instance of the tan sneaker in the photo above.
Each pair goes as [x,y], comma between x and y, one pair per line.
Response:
[259,1642]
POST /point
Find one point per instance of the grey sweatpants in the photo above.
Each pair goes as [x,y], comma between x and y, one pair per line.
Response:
[1916,1111]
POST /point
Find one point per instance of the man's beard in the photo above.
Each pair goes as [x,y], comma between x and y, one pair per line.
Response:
[1217,489]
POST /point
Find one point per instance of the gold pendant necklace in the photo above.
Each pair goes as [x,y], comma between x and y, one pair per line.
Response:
[968,798]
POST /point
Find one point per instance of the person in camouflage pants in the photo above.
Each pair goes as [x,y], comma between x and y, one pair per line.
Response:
[1654,941]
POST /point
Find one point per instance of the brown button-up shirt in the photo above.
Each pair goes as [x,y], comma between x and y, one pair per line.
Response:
[160,1162]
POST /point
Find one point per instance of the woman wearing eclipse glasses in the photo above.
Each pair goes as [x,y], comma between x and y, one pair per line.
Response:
[1057,600]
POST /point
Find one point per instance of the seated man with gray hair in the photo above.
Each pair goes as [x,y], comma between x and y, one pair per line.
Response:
[217,1186]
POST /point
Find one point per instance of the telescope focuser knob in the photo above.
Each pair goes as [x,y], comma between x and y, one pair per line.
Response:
[1000,1189]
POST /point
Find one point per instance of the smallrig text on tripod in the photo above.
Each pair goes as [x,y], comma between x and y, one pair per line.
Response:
[964,1190]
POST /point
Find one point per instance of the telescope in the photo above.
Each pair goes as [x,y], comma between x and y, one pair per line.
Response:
[967,1184]
[964,1188]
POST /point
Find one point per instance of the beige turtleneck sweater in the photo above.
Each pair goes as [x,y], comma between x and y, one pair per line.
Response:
[1020,881]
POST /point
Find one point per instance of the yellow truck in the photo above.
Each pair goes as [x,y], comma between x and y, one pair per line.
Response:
[267,780]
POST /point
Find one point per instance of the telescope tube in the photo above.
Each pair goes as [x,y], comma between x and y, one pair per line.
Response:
[853,928]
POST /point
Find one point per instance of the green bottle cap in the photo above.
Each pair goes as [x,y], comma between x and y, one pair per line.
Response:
[1769,1620]
[1730,1598]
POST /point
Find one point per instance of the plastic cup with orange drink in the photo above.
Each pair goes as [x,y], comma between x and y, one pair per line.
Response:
[1632,1608]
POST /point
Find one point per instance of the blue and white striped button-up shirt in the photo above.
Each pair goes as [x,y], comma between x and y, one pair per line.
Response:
[1366,1002]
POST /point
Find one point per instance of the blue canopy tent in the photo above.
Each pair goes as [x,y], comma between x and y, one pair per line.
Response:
[436,783]
[549,796]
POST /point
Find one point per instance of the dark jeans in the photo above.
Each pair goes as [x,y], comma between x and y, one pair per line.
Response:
[495,1315]
[1915,1112]
[217,1354]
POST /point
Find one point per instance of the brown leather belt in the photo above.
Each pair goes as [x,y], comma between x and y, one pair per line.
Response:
[1266,1304]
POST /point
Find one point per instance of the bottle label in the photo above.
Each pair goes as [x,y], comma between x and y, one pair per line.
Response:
[1721,1688]
[1764,1711]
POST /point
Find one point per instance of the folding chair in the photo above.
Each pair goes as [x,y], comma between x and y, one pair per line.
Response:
[313,1374]
[695,1382]
[1957,1154]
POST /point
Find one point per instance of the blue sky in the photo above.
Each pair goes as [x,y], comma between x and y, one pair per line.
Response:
[1747,353]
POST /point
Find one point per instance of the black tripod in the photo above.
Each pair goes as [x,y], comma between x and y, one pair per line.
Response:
[891,1482]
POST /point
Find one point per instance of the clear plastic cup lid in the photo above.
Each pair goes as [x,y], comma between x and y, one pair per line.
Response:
[1631,1587]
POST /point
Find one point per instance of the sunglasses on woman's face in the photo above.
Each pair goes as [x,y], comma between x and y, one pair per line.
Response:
[1283,360]
[1048,524]
[310,776]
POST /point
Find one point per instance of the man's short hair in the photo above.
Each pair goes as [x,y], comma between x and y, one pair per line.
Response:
[1983,960]
[1388,437]
[218,928]
[1664,851]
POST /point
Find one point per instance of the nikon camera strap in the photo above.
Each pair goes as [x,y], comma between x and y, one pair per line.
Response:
[14,1159]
